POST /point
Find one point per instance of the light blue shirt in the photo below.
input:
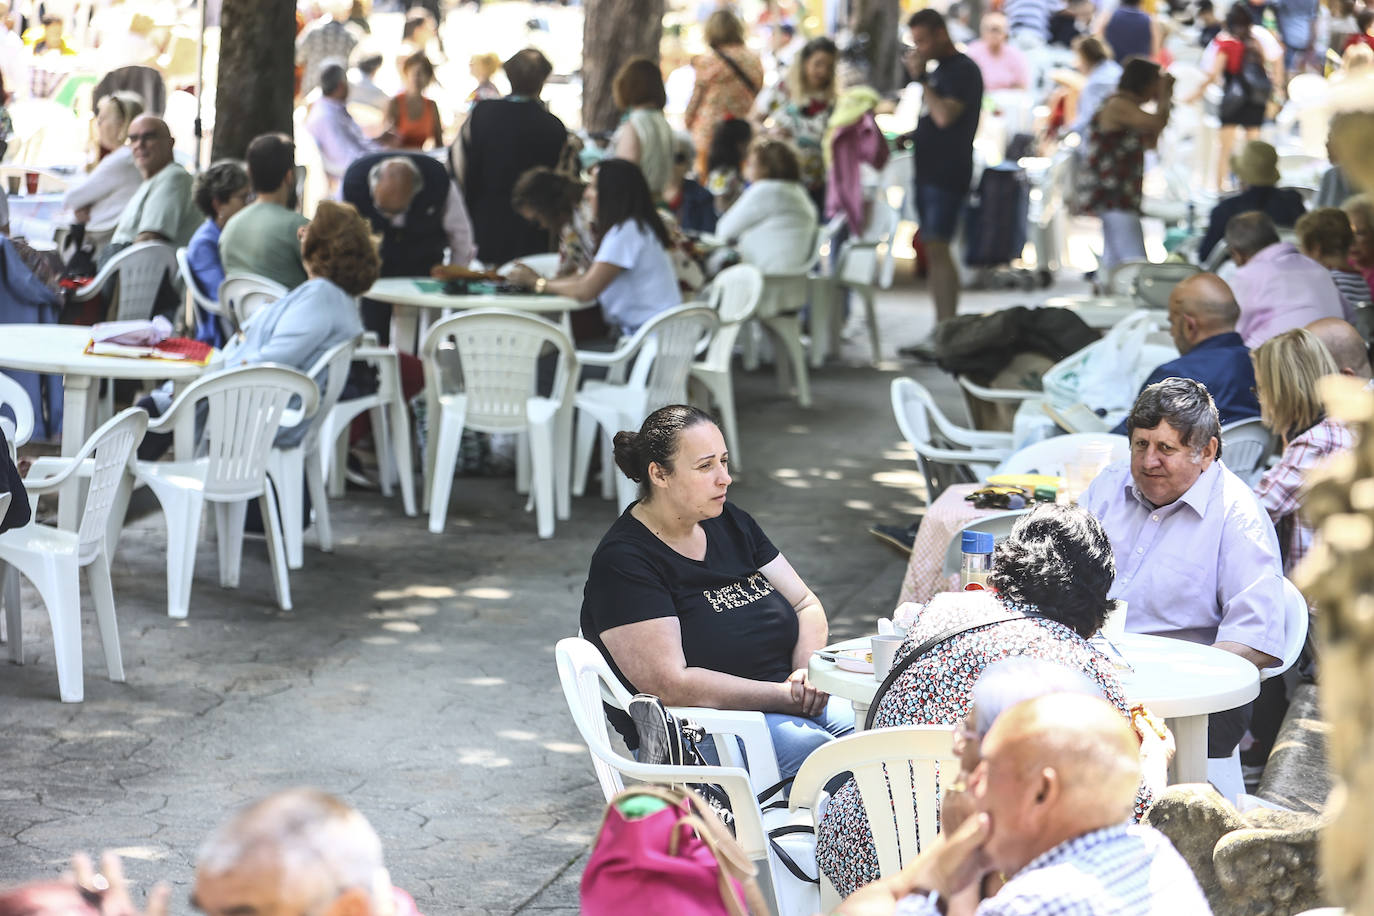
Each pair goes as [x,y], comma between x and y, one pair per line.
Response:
[1205,568]
[1101,83]
[338,136]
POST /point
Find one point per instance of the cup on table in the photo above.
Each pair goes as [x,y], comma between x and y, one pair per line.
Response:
[13,182]
[884,652]
[31,182]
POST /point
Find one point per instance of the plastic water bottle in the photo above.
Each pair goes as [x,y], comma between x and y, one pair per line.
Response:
[977,564]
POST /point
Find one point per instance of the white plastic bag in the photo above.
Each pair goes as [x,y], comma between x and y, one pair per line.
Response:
[1105,375]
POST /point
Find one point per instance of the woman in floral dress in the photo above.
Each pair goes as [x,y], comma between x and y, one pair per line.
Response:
[728,78]
[798,108]
[1051,577]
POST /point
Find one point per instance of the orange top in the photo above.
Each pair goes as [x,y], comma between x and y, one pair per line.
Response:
[414,134]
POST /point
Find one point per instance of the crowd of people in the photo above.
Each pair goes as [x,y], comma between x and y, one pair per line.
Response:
[687,597]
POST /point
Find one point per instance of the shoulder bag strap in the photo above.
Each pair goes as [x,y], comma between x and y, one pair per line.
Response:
[900,668]
[738,70]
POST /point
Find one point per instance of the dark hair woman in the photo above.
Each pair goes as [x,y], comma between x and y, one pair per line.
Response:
[689,600]
[220,192]
[631,273]
[645,137]
[551,199]
[1052,575]
[725,161]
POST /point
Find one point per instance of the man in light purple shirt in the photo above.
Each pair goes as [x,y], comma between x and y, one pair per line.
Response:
[337,135]
[1277,287]
[1196,555]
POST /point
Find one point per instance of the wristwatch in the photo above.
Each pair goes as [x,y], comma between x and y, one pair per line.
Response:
[541,284]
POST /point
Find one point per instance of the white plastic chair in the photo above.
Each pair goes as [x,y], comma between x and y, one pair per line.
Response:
[390,428]
[995,396]
[920,420]
[215,310]
[1154,282]
[1225,772]
[779,311]
[243,294]
[245,408]
[999,525]
[1245,447]
[498,361]
[1049,456]
[1121,281]
[138,270]
[662,351]
[16,413]
[895,770]
[588,681]
[734,296]
[302,464]
[52,559]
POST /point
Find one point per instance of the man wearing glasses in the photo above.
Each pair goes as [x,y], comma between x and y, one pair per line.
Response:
[162,209]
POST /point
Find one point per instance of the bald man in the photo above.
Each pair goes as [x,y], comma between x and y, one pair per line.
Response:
[1202,322]
[1053,790]
[1346,346]
[298,851]
[162,209]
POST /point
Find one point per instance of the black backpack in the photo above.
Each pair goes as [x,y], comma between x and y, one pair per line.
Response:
[1258,86]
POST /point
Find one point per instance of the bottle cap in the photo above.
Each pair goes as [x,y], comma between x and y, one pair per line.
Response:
[978,542]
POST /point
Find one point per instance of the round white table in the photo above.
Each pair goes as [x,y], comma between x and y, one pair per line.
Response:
[427,293]
[57,349]
[1181,681]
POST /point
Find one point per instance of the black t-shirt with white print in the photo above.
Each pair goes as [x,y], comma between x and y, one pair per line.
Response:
[733,620]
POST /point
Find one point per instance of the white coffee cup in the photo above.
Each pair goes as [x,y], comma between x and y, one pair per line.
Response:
[884,652]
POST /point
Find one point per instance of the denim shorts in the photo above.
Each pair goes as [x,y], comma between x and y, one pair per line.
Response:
[937,211]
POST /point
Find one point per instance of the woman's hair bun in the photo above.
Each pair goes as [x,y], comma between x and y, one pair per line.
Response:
[627,455]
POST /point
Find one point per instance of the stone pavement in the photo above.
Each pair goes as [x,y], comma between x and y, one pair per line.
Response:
[416,675]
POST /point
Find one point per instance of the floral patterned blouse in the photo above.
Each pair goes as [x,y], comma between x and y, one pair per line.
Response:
[720,93]
[937,690]
[1114,168]
[803,123]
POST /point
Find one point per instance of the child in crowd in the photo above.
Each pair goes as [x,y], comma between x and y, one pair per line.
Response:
[1325,236]
[483,67]
[725,161]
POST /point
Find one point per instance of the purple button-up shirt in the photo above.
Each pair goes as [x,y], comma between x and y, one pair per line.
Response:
[1205,568]
[337,135]
[1280,289]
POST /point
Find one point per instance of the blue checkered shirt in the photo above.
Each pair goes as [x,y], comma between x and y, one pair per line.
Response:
[1127,870]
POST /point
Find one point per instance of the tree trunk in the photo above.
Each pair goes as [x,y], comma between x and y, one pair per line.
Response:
[257,53]
[879,23]
[614,31]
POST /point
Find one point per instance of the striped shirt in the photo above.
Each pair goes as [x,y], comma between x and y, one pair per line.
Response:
[1028,17]
[1126,870]
[1352,286]
[1281,488]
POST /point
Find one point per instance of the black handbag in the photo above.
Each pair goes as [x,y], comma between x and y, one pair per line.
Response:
[1233,99]
[1258,86]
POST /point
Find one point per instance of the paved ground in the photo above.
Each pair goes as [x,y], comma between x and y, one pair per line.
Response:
[415,676]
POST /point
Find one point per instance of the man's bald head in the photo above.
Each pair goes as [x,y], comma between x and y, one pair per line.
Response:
[394,183]
[1345,344]
[1054,768]
[150,141]
[1200,307]
[297,851]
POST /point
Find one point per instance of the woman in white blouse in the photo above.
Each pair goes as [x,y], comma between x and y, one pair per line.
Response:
[773,224]
[100,199]
[644,138]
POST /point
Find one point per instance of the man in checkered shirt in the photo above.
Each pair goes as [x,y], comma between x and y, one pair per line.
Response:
[1052,797]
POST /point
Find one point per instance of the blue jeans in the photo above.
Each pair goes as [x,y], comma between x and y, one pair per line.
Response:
[795,737]
[937,211]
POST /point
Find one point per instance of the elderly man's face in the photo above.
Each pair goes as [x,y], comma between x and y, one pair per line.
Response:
[1163,465]
[393,194]
[993,31]
[255,885]
[151,144]
[1003,787]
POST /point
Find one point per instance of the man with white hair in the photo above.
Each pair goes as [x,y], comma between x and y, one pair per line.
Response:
[298,851]
[1346,346]
[340,138]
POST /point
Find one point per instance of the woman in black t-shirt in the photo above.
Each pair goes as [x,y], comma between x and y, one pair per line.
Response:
[690,601]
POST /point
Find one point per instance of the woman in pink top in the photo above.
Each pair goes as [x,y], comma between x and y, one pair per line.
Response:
[1360,209]
[1003,66]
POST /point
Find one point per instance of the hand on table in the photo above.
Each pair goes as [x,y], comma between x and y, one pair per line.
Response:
[808,699]
[82,214]
[521,275]
[109,891]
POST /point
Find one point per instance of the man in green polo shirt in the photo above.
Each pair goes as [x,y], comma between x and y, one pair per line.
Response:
[262,238]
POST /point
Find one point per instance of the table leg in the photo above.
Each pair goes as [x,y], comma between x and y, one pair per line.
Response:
[75,403]
[860,714]
[405,328]
[1190,759]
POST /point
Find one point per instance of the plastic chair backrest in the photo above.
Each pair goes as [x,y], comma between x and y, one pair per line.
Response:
[1121,280]
[1296,620]
[1155,282]
[498,354]
[584,675]
[910,406]
[16,411]
[1245,445]
[243,294]
[998,525]
[140,269]
[1050,455]
[113,446]
[189,281]
[735,295]
[332,367]
[895,770]
[246,407]
[672,339]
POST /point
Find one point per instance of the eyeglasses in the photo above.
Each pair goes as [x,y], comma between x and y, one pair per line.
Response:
[148,137]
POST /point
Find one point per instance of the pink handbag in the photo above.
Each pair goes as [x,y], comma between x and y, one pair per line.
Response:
[678,860]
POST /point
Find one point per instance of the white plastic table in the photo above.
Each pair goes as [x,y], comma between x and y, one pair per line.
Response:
[1181,681]
[425,293]
[56,349]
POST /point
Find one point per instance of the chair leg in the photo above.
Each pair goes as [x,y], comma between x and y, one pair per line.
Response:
[314,482]
[446,435]
[118,511]
[823,315]
[522,463]
[871,313]
[381,445]
[723,390]
[60,590]
[610,474]
[786,331]
[582,451]
[182,510]
[396,424]
[287,470]
[276,552]
[562,464]
[14,617]
[542,457]
[338,461]
[102,593]
[229,522]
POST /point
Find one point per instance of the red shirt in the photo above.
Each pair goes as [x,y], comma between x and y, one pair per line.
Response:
[1361,39]
[1233,49]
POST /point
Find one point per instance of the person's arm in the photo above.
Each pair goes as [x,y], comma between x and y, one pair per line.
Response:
[1250,586]
[689,117]
[1119,112]
[583,287]
[460,154]
[458,229]
[438,123]
[953,862]
[745,213]
[1216,229]
[1218,66]
[103,180]
[627,144]
[944,110]
[813,630]
[389,118]
[1280,488]
[206,269]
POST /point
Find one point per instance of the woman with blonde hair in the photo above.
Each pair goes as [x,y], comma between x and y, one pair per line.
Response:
[483,67]
[798,108]
[729,76]
[100,198]
[1287,368]
[1360,209]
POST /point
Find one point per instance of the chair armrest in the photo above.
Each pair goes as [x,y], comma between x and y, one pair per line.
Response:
[751,728]
[46,474]
[982,439]
[370,339]
[596,358]
[959,456]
